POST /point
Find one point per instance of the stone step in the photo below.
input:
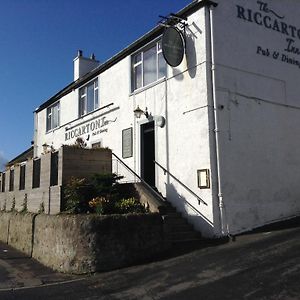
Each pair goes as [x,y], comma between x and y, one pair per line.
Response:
[183,236]
[173,215]
[178,227]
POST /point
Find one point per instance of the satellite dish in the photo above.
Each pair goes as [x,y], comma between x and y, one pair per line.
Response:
[173,46]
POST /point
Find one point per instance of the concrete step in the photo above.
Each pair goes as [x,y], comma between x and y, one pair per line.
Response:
[178,227]
[173,215]
[183,236]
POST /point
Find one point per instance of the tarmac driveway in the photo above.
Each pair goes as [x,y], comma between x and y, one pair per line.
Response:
[264,265]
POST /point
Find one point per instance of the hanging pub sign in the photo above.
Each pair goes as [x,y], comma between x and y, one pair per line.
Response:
[173,46]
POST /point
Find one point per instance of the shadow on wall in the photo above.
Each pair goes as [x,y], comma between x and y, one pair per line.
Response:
[191,58]
[200,222]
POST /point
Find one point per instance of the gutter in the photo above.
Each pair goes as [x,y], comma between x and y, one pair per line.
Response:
[224,228]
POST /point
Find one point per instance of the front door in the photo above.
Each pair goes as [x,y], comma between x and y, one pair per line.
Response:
[148,153]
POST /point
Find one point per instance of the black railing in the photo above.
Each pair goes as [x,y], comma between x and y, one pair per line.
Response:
[139,178]
[181,183]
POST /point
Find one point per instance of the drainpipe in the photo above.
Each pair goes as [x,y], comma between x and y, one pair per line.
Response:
[223,220]
[35,134]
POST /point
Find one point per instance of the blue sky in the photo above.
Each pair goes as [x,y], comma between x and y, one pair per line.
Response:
[40,38]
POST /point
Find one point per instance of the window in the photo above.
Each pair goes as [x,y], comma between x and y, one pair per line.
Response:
[148,66]
[53,116]
[36,174]
[3,183]
[11,179]
[88,98]
[22,177]
[54,169]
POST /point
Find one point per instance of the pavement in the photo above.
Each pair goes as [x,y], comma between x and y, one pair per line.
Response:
[261,265]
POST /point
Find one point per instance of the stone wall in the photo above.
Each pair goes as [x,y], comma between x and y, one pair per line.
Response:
[72,161]
[85,243]
[16,229]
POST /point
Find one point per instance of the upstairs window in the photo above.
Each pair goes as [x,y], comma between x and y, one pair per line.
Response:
[88,98]
[53,116]
[148,66]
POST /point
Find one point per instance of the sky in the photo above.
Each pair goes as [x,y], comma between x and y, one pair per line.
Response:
[39,40]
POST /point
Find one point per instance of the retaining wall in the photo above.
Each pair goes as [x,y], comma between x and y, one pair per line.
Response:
[85,243]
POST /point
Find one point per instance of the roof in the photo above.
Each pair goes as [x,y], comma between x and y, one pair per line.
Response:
[22,157]
[148,37]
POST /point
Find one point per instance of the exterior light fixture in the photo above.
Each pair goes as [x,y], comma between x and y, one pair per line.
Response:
[139,112]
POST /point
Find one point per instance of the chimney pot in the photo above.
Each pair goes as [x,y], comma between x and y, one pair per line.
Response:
[93,57]
[79,53]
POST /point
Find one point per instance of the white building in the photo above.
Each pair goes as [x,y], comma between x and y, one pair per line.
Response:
[224,122]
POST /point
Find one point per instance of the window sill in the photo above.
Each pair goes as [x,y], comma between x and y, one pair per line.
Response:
[150,85]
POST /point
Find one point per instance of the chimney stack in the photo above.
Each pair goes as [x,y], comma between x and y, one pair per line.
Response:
[83,65]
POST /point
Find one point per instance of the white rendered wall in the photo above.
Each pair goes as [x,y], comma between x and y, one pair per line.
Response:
[259,125]
[182,145]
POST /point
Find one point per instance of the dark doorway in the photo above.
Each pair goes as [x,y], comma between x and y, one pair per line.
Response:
[148,153]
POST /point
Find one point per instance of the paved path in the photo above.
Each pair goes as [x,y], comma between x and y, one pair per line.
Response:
[19,271]
[264,265]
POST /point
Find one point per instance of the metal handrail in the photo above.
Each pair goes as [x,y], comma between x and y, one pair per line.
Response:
[141,179]
[181,183]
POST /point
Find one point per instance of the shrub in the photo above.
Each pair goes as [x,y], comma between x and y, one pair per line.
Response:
[76,193]
[130,205]
[99,194]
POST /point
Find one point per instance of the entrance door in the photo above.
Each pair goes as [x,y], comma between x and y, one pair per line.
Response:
[148,153]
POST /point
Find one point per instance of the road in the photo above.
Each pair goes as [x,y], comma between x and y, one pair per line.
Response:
[262,265]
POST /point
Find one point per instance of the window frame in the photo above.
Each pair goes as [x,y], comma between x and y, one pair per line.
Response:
[11,186]
[156,43]
[84,95]
[22,178]
[50,114]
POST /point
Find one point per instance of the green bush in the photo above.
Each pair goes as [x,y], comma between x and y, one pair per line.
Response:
[130,205]
[99,194]
[76,195]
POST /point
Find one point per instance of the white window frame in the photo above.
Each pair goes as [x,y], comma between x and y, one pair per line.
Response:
[141,62]
[50,114]
[83,97]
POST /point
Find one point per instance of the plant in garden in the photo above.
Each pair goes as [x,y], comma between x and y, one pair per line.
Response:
[76,195]
[99,194]
[99,205]
[130,205]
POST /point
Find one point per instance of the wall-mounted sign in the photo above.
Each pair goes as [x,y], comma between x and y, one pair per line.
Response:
[203,179]
[173,46]
[127,143]
[90,128]
[265,16]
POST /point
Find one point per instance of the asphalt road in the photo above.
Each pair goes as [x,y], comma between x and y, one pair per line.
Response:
[264,265]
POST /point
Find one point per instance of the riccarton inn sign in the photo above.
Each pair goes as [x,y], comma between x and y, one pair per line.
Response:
[273,20]
[93,127]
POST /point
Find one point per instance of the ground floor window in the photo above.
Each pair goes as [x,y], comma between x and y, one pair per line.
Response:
[22,177]
[11,179]
[36,174]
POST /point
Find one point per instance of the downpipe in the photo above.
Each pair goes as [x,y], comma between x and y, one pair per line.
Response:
[222,210]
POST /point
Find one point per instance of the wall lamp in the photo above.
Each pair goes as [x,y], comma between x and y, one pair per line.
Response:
[139,112]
